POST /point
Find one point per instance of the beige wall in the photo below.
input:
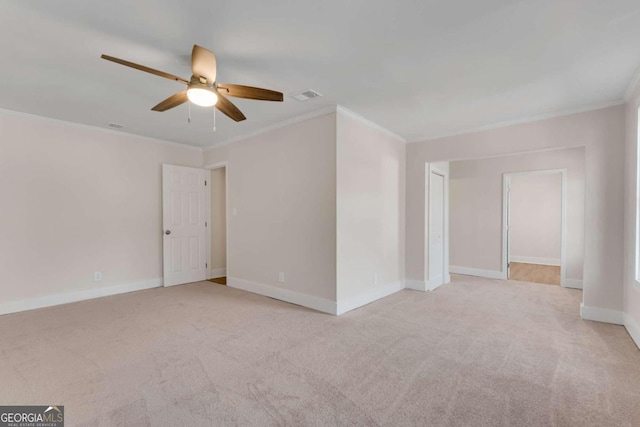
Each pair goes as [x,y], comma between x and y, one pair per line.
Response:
[77,200]
[84,200]
[282,186]
[370,208]
[535,211]
[601,132]
[218,221]
[476,206]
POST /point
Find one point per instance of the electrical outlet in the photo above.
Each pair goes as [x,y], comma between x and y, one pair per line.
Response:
[97,276]
[281,277]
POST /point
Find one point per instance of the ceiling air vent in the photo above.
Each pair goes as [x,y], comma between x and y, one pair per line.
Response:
[305,95]
[114,125]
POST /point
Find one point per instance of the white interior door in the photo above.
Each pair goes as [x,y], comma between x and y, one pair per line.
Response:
[436,229]
[508,227]
[184,227]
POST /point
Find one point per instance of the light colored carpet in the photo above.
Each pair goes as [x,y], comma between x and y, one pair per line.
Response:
[474,352]
[535,273]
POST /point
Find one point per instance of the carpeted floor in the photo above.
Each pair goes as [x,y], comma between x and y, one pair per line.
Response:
[474,352]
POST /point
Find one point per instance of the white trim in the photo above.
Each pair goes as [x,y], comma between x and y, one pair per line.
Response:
[314,302]
[572,283]
[416,285]
[506,183]
[467,271]
[226,217]
[293,120]
[369,123]
[632,327]
[102,129]
[635,81]
[217,272]
[429,169]
[636,202]
[368,297]
[307,116]
[510,154]
[536,260]
[424,286]
[432,287]
[531,119]
[601,314]
[74,296]
[208,213]
[309,301]
[218,165]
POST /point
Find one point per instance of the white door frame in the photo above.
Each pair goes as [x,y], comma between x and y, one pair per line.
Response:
[506,180]
[209,168]
[431,168]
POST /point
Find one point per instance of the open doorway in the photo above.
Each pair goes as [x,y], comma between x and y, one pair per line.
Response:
[478,214]
[218,225]
[534,224]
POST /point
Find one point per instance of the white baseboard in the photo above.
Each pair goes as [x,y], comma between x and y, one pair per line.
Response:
[432,287]
[368,297]
[535,260]
[68,297]
[489,274]
[572,283]
[309,301]
[632,327]
[416,285]
[424,286]
[601,314]
[217,272]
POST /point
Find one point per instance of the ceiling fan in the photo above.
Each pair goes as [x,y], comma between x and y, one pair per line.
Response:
[202,89]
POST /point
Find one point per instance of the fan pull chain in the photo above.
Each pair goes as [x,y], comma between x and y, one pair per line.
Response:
[214,119]
[189,118]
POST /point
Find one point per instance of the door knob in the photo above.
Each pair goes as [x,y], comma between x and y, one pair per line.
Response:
[167,232]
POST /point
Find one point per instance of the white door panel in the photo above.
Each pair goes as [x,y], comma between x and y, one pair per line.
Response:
[183,218]
[508,219]
[436,229]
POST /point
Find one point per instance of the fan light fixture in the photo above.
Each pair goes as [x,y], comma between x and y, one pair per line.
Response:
[202,97]
[202,88]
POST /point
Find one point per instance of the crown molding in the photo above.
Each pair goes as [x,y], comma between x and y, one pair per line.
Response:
[287,122]
[369,123]
[98,128]
[531,119]
[633,85]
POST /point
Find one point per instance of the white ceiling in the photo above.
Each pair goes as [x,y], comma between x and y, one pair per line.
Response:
[420,68]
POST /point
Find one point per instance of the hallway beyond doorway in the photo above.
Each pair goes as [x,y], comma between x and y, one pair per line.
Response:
[535,273]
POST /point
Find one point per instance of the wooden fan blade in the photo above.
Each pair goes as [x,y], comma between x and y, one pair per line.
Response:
[226,107]
[250,92]
[172,101]
[203,64]
[146,69]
